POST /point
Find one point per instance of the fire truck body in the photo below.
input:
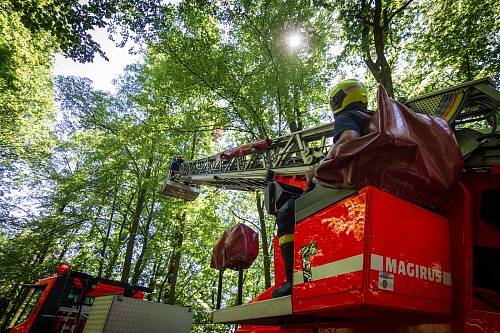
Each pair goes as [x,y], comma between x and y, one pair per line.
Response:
[467,300]
[429,273]
[76,302]
[368,261]
[62,302]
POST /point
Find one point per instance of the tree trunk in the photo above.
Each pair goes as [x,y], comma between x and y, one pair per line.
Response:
[296,108]
[63,253]
[115,253]
[139,264]
[162,287]
[116,250]
[288,110]
[39,258]
[173,270]
[380,68]
[106,238]
[152,279]
[141,199]
[67,242]
[265,245]
[379,41]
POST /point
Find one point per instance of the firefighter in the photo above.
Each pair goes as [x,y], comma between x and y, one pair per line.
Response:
[285,219]
[175,166]
[348,101]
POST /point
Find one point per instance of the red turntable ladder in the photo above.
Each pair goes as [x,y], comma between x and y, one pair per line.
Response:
[369,261]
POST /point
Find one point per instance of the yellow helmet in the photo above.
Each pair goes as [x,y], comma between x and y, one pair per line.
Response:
[347,92]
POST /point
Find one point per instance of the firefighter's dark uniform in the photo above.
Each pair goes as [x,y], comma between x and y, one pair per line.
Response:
[285,219]
[175,166]
[354,117]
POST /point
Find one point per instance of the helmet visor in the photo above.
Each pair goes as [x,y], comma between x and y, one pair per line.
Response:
[337,99]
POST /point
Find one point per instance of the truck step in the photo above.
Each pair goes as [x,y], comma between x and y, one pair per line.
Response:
[275,311]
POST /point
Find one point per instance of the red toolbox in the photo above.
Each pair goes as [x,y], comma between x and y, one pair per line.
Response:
[370,253]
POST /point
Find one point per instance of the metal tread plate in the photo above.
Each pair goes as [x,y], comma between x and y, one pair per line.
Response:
[274,312]
[321,197]
[245,313]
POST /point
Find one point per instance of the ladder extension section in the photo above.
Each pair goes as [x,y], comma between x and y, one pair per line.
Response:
[286,155]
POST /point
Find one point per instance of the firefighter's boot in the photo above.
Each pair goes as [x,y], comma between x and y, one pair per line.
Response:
[286,288]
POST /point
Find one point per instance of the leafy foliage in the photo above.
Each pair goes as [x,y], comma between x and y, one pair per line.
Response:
[70,22]
[456,41]
[83,185]
[26,103]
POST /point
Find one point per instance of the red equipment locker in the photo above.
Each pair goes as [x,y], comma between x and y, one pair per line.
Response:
[370,253]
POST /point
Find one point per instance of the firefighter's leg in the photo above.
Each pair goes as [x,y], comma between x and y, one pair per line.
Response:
[286,224]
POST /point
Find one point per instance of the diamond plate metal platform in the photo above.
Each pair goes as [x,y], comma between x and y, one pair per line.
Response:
[275,312]
[263,311]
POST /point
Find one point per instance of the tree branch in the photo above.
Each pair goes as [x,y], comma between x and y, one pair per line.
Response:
[396,12]
[208,85]
[129,153]
[245,220]
[372,66]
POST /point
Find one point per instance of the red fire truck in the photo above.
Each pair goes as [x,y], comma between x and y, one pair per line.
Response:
[367,259]
[60,303]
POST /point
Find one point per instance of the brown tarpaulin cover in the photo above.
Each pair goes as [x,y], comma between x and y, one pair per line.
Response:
[411,155]
[237,248]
